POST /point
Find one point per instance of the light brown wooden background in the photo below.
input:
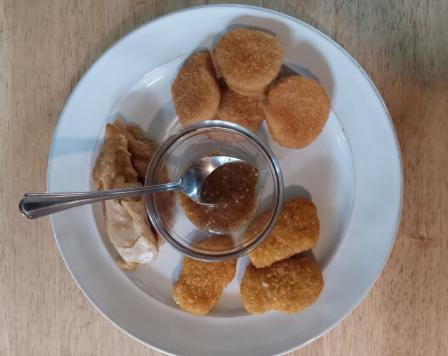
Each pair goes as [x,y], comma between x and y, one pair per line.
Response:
[47,45]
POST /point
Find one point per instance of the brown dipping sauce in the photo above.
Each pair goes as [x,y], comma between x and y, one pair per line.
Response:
[232,190]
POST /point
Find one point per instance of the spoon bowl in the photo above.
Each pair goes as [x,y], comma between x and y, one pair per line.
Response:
[197,173]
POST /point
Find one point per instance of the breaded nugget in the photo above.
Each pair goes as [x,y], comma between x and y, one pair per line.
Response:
[246,111]
[289,286]
[196,91]
[248,60]
[296,110]
[297,230]
[201,284]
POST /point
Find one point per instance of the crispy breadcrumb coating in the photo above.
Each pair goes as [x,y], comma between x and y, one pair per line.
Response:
[296,110]
[195,91]
[201,284]
[297,230]
[248,60]
[289,286]
[243,110]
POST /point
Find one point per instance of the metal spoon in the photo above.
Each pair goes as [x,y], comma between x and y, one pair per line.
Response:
[35,205]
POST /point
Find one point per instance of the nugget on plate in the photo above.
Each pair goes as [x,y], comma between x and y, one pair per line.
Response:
[296,110]
[248,60]
[243,110]
[201,284]
[195,90]
[289,286]
[297,230]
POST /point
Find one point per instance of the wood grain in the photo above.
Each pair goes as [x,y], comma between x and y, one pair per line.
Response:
[46,46]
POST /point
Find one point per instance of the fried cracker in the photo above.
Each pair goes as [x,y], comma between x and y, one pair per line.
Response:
[297,230]
[195,91]
[289,286]
[141,149]
[201,284]
[127,224]
[296,110]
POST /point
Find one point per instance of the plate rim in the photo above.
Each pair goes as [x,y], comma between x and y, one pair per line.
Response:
[326,37]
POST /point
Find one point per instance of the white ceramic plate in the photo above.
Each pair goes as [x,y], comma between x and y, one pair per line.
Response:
[352,172]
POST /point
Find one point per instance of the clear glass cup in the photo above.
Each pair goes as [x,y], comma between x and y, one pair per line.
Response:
[208,138]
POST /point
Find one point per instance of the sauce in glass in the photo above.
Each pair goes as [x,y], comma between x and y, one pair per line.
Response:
[232,191]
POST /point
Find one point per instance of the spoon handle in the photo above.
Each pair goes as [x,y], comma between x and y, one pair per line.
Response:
[35,205]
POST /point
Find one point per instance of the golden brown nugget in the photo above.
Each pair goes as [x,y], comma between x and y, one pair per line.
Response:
[248,60]
[289,286]
[196,91]
[201,284]
[297,230]
[243,110]
[296,110]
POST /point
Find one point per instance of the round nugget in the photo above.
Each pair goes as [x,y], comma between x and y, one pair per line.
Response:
[248,60]
[296,110]
[246,111]
[195,91]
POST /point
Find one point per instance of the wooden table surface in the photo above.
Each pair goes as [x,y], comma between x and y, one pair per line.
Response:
[47,45]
